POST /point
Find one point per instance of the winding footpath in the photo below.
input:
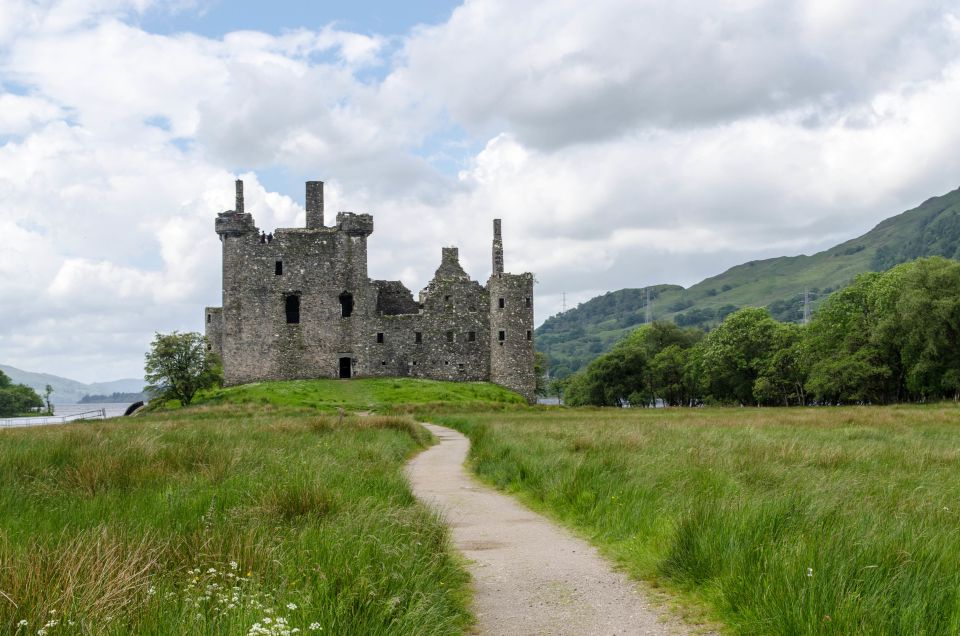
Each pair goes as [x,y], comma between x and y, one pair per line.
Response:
[529,575]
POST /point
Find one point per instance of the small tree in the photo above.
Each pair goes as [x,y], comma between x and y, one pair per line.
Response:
[47,392]
[180,364]
[17,399]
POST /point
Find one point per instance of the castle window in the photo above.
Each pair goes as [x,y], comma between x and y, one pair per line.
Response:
[449,336]
[418,337]
[471,336]
[346,304]
[446,299]
[209,347]
[501,335]
[379,338]
[278,268]
[502,304]
[292,307]
[529,303]
[383,363]
[209,318]
[460,366]
[529,335]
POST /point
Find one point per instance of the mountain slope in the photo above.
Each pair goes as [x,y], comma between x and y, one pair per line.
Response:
[67,391]
[575,337]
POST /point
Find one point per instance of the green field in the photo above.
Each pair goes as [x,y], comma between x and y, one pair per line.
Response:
[364,394]
[216,519]
[260,506]
[776,521]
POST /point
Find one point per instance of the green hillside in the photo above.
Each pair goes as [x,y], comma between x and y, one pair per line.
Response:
[575,337]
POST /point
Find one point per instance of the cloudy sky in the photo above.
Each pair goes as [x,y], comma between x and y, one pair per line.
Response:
[623,142]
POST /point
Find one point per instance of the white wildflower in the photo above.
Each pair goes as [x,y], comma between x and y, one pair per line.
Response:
[291,606]
[314,626]
[234,565]
[809,571]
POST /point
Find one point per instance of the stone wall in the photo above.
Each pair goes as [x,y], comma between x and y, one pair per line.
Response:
[213,329]
[511,332]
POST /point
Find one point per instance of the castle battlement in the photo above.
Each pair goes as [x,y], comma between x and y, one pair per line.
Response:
[298,303]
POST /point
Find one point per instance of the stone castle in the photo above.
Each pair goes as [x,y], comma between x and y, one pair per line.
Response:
[299,304]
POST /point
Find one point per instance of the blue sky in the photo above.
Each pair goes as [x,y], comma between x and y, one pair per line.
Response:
[623,143]
[215,18]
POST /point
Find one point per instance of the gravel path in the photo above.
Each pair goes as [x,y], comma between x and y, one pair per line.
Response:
[530,576]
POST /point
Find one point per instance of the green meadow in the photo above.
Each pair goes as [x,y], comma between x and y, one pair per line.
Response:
[365,394]
[263,511]
[222,519]
[772,521]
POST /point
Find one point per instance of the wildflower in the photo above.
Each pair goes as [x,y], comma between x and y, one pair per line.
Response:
[809,572]
[291,606]
[314,626]
[234,565]
[151,591]
[212,571]
[22,623]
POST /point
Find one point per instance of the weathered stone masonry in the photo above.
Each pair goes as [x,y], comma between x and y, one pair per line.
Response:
[299,304]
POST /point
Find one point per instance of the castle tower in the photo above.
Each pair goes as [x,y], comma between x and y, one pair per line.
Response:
[511,325]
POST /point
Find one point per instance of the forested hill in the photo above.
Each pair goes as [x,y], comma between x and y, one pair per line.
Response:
[573,338]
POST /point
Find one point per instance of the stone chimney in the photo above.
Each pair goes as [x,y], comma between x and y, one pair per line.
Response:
[239,205]
[497,248]
[314,204]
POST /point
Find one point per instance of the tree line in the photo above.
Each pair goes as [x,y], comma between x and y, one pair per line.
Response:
[888,337]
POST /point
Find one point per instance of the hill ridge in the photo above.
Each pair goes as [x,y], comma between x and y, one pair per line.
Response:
[573,338]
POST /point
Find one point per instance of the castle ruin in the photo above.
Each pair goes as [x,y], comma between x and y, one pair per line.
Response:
[299,304]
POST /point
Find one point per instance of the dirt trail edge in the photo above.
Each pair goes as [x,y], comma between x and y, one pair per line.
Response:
[530,576]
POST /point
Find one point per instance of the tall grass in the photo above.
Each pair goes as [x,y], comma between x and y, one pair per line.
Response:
[222,520]
[833,521]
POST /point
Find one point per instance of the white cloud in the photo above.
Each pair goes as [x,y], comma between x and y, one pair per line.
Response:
[622,142]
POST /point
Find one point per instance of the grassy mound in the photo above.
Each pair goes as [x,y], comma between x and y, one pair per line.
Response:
[364,394]
[217,519]
[789,521]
